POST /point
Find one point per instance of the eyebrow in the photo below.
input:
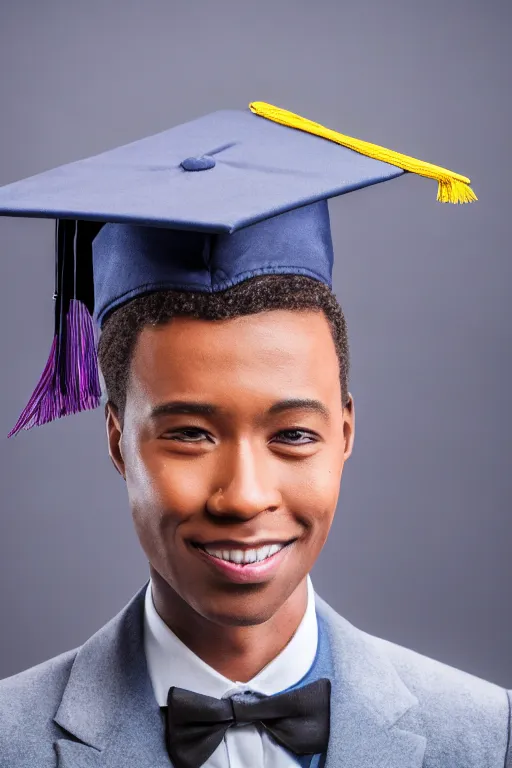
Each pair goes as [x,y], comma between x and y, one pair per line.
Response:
[184,407]
[189,407]
[299,404]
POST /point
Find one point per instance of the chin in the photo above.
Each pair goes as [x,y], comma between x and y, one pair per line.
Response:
[231,619]
[237,610]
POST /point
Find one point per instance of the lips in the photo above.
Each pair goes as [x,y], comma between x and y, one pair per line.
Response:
[241,563]
[243,555]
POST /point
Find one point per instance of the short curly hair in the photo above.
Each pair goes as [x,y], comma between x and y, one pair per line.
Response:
[258,294]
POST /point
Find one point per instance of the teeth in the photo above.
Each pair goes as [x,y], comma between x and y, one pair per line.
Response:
[245,556]
[262,553]
[250,555]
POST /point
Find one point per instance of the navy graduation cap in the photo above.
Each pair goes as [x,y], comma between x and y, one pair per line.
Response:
[199,207]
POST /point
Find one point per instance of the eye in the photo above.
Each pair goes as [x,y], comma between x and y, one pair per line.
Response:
[296,437]
[187,435]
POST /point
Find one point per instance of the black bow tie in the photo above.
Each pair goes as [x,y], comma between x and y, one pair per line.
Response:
[196,724]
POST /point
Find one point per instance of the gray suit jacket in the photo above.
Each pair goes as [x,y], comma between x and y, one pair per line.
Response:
[93,707]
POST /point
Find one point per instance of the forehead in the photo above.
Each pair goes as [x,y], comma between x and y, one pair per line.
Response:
[275,353]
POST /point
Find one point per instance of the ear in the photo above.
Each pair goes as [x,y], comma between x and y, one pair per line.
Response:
[349,417]
[114,434]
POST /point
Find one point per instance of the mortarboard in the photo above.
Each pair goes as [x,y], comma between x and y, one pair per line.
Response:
[200,207]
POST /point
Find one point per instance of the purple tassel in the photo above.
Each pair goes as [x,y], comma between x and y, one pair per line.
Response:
[81,386]
[82,380]
[41,406]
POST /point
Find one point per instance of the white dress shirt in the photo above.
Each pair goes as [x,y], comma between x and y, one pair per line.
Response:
[170,662]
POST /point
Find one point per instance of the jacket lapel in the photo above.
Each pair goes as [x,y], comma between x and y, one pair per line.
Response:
[368,699]
[108,706]
[112,719]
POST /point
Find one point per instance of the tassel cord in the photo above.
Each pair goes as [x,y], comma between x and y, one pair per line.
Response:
[452,187]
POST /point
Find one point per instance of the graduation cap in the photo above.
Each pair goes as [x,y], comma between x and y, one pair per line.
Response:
[200,207]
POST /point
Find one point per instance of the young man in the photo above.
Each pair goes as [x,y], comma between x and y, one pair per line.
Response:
[225,359]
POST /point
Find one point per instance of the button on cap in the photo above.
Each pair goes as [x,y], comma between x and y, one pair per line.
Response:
[198,163]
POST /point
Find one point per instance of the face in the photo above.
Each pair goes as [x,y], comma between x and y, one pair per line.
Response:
[232,446]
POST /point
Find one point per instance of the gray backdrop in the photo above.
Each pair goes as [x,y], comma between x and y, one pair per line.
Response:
[420,549]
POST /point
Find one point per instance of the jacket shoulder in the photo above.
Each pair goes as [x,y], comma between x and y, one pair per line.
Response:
[28,703]
[460,714]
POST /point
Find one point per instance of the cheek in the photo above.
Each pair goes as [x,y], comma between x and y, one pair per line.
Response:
[157,479]
[312,490]
[163,492]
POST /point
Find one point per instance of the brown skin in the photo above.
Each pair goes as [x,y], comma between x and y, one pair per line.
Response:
[240,473]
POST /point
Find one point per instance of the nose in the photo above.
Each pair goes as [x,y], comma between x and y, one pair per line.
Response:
[245,486]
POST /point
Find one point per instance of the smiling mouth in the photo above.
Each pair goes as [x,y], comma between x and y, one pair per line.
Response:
[245,556]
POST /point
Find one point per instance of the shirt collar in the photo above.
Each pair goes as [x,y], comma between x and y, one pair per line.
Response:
[171,662]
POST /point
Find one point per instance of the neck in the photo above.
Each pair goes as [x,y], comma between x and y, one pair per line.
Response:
[237,652]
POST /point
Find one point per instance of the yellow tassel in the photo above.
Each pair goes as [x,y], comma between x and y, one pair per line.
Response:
[452,187]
